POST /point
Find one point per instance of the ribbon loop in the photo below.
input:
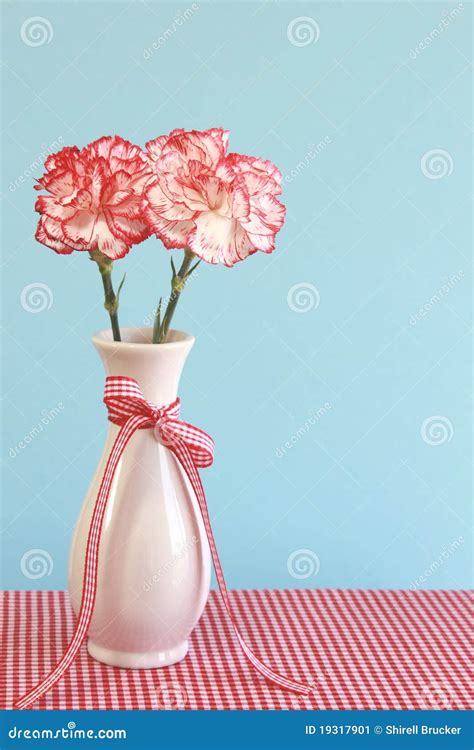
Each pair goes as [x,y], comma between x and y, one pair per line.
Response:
[193,449]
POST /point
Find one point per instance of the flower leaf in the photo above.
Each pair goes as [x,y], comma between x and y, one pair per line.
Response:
[120,288]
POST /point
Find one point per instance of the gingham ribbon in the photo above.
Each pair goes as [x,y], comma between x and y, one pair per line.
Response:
[194,449]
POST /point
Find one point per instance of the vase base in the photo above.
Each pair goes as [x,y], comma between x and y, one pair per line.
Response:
[131,660]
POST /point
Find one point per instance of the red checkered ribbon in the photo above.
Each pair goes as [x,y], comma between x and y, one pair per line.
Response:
[194,449]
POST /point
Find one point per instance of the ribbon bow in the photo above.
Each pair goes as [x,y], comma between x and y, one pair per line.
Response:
[193,448]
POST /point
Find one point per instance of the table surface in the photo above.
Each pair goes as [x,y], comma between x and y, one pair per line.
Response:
[360,650]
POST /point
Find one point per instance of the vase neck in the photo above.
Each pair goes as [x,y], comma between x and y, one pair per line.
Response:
[156,367]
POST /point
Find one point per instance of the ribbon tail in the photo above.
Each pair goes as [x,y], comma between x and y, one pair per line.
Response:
[181,450]
[89,587]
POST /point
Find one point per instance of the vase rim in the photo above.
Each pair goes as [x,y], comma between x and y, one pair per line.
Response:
[140,338]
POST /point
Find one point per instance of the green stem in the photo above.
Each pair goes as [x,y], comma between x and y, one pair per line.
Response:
[157,323]
[178,282]
[110,299]
[110,304]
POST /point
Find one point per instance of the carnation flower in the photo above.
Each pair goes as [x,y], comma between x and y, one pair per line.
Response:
[94,198]
[223,207]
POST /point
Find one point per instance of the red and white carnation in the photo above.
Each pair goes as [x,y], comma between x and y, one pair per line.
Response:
[94,197]
[221,206]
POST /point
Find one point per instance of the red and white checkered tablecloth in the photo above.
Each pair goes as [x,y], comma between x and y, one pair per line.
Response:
[361,649]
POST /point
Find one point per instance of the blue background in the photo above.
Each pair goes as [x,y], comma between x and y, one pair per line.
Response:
[377,238]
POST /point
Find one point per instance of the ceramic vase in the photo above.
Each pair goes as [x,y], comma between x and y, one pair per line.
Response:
[154,560]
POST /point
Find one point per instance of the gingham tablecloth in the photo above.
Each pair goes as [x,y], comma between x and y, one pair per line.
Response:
[360,649]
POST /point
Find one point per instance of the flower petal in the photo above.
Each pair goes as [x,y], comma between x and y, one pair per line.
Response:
[271,211]
[108,244]
[59,184]
[155,147]
[223,207]
[217,239]
[173,234]
[119,197]
[264,243]
[107,175]
[42,236]
[129,230]
[46,204]
[165,207]
[79,229]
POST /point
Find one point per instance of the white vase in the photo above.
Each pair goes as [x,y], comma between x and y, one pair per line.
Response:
[154,560]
